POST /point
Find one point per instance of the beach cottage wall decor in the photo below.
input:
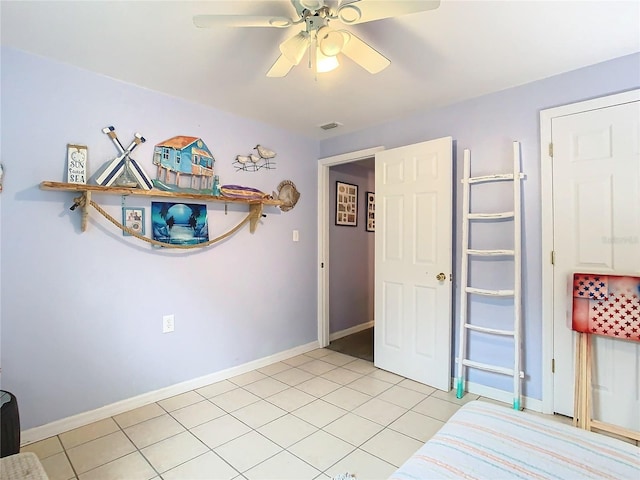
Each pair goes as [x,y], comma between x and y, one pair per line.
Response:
[184,164]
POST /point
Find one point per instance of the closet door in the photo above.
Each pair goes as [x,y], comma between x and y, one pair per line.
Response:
[596,204]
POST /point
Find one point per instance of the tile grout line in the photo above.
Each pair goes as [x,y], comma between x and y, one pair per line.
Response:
[318,428]
[186,430]
[353,448]
[356,447]
[135,446]
[66,454]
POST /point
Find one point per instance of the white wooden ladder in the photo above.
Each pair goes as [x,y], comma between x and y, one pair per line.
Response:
[466,290]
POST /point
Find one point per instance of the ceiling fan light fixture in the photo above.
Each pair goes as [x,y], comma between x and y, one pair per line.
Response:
[324,63]
[330,41]
[293,49]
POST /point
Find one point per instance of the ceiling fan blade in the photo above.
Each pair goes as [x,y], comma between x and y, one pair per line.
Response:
[361,11]
[208,21]
[364,55]
[280,67]
[295,47]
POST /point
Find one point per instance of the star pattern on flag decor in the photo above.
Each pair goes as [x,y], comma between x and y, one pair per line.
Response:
[607,305]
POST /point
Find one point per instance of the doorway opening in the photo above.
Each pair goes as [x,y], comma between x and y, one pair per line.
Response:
[352,247]
[345,312]
[358,345]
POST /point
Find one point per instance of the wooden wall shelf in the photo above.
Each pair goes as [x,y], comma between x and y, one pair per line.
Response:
[255,205]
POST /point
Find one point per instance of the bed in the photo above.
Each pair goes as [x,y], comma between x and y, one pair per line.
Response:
[487,441]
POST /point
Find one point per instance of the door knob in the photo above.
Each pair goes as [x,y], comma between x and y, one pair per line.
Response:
[441,277]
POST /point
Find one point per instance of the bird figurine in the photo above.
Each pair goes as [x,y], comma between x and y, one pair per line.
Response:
[264,152]
[254,158]
[242,158]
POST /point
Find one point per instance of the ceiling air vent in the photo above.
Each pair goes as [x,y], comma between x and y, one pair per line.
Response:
[330,125]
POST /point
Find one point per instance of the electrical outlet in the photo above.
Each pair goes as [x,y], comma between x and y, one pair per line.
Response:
[167,323]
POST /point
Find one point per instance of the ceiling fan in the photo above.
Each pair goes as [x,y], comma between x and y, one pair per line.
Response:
[317,35]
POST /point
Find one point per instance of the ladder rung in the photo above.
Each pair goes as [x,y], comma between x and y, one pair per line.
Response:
[488,216]
[490,178]
[487,367]
[490,253]
[495,331]
[489,293]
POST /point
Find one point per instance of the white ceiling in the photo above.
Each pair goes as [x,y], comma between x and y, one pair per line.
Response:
[461,50]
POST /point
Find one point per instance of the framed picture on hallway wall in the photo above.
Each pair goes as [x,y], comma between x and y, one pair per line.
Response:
[346,204]
[371,211]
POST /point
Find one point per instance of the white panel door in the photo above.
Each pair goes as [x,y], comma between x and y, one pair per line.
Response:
[596,201]
[412,246]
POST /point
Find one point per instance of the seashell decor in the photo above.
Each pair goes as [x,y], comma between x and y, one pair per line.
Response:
[288,194]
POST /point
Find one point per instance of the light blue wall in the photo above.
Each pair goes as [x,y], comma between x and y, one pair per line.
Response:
[351,254]
[82,312]
[487,126]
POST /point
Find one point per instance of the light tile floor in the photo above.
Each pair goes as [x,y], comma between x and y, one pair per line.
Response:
[312,416]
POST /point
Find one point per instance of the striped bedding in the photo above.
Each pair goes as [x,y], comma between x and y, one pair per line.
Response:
[487,441]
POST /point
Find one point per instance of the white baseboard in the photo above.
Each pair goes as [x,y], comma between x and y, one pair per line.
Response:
[501,395]
[351,330]
[69,423]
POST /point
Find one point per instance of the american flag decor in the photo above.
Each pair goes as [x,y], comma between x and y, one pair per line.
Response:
[607,305]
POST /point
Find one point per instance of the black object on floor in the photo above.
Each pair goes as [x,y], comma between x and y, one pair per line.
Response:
[9,424]
[359,345]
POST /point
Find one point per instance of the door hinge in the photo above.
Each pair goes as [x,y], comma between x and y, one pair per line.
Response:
[553,365]
[551,150]
[553,257]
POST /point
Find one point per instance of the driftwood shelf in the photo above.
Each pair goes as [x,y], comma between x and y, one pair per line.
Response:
[255,206]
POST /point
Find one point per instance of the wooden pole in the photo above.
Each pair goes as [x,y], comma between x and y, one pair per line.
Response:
[577,398]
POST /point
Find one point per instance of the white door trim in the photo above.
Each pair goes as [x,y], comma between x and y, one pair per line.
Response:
[546,182]
[323,233]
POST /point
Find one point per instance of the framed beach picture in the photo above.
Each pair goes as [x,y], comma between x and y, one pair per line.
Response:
[133,218]
[371,211]
[179,223]
[346,204]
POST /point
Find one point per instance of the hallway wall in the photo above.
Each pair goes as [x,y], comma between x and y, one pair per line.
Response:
[351,254]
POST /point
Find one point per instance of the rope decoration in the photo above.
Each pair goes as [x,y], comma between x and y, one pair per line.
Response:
[81,202]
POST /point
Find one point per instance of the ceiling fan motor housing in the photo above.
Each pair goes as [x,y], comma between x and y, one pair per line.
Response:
[314,22]
[329,41]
